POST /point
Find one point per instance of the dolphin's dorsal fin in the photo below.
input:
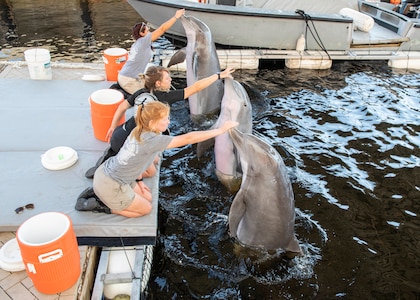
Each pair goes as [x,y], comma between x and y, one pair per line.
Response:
[178,57]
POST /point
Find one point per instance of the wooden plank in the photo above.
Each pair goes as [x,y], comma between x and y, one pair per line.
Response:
[98,287]
[88,273]
[138,274]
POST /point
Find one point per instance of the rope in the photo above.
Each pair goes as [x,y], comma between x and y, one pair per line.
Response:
[316,37]
[133,275]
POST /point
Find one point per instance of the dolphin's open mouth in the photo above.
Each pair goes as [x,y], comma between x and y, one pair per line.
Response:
[190,22]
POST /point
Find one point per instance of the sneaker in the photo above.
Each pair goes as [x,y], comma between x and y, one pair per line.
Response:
[90,172]
[86,204]
[107,154]
[87,193]
[92,204]
[101,207]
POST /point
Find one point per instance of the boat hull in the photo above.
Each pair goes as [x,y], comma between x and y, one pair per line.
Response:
[252,27]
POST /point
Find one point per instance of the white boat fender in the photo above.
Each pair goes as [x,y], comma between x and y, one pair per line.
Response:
[361,21]
[300,44]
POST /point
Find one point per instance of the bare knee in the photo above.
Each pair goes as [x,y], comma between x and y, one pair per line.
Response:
[147,209]
[139,207]
[135,213]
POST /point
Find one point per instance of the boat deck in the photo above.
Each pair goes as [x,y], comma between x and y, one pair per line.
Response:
[37,115]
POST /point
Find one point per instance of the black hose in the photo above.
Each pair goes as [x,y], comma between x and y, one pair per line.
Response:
[316,37]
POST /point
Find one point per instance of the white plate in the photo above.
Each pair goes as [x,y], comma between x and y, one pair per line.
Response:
[93,77]
[59,158]
[10,257]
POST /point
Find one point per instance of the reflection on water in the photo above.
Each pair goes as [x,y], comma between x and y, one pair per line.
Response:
[73,30]
[350,139]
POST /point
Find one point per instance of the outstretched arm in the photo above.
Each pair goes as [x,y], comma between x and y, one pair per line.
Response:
[205,82]
[199,136]
[168,24]
[122,108]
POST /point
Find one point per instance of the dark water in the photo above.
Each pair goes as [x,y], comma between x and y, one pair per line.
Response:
[350,139]
[73,30]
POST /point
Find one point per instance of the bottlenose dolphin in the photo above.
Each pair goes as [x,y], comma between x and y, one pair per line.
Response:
[262,213]
[202,61]
[235,106]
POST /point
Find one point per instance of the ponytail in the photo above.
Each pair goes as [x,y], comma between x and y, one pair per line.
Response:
[147,112]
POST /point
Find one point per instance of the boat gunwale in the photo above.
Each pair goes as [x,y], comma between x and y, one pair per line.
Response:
[246,11]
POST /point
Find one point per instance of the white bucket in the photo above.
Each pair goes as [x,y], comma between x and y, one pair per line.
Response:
[39,63]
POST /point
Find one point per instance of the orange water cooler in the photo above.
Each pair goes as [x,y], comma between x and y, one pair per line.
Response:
[114,60]
[103,104]
[50,252]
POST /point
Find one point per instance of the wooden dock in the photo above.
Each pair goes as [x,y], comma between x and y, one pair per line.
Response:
[17,285]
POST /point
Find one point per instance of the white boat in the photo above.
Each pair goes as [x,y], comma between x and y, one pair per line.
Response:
[367,29]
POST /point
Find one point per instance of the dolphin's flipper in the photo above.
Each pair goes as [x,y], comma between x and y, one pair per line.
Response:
[178,57]
[236,212]
[203,146]
[231,182]
[293,245]
[195,66]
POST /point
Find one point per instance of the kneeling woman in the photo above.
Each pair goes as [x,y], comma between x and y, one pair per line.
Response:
[117,182]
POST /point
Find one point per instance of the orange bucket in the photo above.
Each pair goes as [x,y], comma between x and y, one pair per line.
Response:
[114,59]
[103,104]
[50,252]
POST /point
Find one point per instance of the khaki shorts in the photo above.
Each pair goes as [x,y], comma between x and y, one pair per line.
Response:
[116,196]
[130,85]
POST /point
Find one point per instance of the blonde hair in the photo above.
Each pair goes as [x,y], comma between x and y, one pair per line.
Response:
[146,113]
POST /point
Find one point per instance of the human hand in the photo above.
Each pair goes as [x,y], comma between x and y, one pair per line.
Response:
[227,73]
[109,134]
[156,160]
[228,125]
[143,187]
[179,13]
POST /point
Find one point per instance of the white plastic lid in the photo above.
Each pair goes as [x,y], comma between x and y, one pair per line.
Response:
[115,51]
[92,77]
[10,257]
[59,158]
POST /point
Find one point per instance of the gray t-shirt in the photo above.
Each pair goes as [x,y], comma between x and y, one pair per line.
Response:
[134,157]
[139,56]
